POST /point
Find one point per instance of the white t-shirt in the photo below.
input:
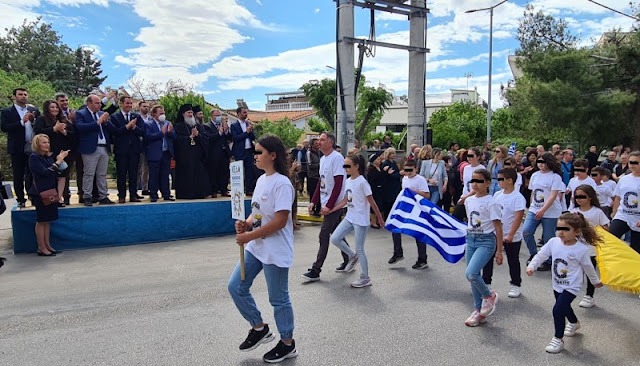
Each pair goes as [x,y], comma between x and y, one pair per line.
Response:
[574,183]
[481,212]
[273,193]
[605,194]
[467,173]
[417,183]
[570,264]
[541,185]
[357,191]
[518,183]
[611,183]
[628,189]
[510,204]
[331,166]
[595,217]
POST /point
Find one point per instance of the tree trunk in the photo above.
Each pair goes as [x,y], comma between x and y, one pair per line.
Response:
[363,124]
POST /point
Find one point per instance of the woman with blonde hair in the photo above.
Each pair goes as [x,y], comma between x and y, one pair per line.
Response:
[495,165]
[45,171]
[434,172]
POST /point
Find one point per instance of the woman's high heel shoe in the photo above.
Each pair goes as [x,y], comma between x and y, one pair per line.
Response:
[40,254]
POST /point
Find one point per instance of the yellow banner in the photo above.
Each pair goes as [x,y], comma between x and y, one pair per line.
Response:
[619,264]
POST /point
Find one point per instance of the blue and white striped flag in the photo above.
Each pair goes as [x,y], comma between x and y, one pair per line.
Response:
[512,149]
[416,216]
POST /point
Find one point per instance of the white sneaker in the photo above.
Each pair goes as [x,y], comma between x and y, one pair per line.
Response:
[570,329]
[587,302]
[362,282]
[351,264]
[555,346]
[514,292]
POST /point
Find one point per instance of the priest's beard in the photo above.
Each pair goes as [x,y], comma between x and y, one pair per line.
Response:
[191,121]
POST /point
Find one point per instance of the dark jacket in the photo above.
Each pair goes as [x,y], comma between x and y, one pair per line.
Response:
[126,141]
[88,132]
[45,173]
[393,181]
[239,137]
[10,123]
[153,137]
[376,180]
[58,140]
[313,164]
[218,144]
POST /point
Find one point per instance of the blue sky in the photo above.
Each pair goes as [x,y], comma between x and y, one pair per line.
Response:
[230,49]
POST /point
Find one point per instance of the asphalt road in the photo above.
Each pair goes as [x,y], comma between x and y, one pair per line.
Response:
[167,304]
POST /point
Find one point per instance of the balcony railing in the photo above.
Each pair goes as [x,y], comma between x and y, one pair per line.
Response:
[281,107]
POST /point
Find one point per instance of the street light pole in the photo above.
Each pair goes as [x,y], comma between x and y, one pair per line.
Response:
[489,111]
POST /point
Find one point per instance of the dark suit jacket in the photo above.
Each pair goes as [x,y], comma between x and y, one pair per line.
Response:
[44,173]
[239,137]
[218,144]
[153,138]
[126,141]
[88,132]
[10,123]
[58,141]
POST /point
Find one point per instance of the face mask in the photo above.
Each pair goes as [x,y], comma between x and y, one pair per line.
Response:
[64,165]
[162,118]
[218,119]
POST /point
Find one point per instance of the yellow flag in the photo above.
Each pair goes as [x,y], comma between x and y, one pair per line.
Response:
[619,264]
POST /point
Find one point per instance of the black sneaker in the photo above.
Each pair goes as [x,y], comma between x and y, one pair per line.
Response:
[256,338]
[530,258]
[341,268]
[281,352]
[395,259]
[544,267]
[420,265]
[312,275]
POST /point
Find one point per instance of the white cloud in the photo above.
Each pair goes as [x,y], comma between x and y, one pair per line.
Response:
[97,52]
[316,10]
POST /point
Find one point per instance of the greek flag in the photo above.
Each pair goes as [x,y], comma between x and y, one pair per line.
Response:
[416,216]
[512,149]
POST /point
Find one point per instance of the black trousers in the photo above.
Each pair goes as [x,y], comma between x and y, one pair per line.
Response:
[329,224]
[590,289]
[460,212]
[127,165]
[397,248]
[619,228]
[561,310]
[21,175]
[513,259]
[312,183]
[250,171]
[218,169]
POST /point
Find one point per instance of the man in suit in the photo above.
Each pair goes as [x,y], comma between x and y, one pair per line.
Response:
[143,166]
[243,138]
[73,159]
[94,144]
[159,136]
[127,130]
[218,158]
[17,121]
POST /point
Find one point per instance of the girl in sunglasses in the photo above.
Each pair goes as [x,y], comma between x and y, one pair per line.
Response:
[484,239]
[580,177]
[570,251]
[359,201]
[585,200]
[546,185]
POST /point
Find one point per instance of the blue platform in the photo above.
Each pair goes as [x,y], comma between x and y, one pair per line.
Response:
[80,227]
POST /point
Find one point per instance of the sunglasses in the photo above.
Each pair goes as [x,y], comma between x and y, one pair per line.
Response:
[346,166]
[581,197]
[595,174]
[497,151]
[470,156]
[563,228]
[408,170]
[500,179]
[634,162]
[476,181]
[257,152]
[507,164]
[540,161]
[580,170]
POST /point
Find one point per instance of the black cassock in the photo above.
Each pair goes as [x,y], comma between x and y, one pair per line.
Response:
[192,179]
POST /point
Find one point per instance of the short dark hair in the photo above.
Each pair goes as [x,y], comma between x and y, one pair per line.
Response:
[15,91]
[239,109]
[509,173]
[582,163]
[330,136]
[125,97]
[60,95]
[410,163]
[453,144]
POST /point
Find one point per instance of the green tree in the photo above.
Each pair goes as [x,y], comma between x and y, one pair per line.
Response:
[322,97]
[396,139]
[172,103]
[464,122]
[318,125]
[542,33]
[39,91]
[284,128]
[87,72]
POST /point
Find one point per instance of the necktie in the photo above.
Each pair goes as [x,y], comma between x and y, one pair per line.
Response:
[128,118]
[95,118]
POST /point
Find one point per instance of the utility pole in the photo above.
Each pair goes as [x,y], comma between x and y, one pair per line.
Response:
[346,99]
[416,117]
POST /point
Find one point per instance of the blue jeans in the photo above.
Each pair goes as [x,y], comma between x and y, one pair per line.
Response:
[480,250]
[278,287]
[435,194]
[530,226]
[337,238]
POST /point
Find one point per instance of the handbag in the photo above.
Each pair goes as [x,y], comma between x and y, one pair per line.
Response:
[49,196]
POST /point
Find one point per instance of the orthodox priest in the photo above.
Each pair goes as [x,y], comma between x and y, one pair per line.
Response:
[191,146]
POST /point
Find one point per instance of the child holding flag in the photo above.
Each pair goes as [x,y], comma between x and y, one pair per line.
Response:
[484,238]
[359,201]
[570,252]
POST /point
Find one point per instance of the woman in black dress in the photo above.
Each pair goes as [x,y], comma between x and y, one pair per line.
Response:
[376,178]
[45,171]
[62,136]
[393,180]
